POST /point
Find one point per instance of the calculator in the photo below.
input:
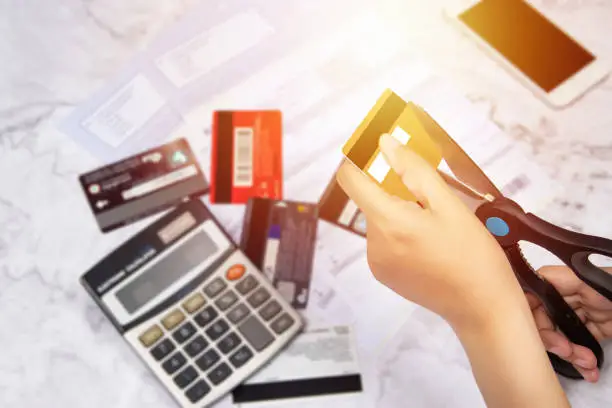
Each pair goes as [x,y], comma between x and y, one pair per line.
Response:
[191,304]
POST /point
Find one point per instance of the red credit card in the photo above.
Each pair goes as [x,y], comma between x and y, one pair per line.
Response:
[246,156]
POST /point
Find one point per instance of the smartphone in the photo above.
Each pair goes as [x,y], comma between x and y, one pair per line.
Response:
[547,60]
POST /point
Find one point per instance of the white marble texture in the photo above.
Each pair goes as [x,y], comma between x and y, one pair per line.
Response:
[58,350]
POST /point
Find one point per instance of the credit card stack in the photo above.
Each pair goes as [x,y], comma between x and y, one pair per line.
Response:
[278,235]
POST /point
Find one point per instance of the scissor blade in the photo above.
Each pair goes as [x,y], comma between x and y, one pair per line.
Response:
[471,198]
[462,166]
[464,188]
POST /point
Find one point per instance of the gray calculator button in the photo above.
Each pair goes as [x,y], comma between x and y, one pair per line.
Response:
[196,346]
[246,285]
[238,313]
[215,287]
[219,373]
[258,297]
[217,329]
[162,349]
[282,323]
[208,359]
[197,391]
[240,357]
[174,363]
[270,310]
[256,333]
[227,300]
[185,377]
[206,316]
[184,333]
[228,343]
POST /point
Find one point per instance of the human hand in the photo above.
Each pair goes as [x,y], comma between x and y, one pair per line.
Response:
[438,255]
[593,309]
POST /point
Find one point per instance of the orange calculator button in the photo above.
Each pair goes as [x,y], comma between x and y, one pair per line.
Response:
[235,272]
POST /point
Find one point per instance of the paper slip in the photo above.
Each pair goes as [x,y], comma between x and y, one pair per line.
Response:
[319,368]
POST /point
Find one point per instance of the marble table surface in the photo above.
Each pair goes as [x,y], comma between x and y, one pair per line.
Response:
[58,350]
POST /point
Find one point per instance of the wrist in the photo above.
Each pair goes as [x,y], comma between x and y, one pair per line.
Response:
[489,314]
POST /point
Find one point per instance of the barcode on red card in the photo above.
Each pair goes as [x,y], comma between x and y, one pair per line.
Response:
[243,157]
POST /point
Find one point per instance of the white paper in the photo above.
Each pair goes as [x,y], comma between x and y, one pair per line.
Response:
[125,112]
[212,48]
[293,83]
[317,352]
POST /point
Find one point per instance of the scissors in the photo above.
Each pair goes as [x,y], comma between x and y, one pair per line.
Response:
[509,224]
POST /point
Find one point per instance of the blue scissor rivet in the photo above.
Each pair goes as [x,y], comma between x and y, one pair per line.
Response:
[497,226]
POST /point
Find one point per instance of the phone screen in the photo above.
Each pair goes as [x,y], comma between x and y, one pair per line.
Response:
[535,46]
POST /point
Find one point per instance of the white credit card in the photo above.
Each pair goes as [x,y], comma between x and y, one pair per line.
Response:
[319,368]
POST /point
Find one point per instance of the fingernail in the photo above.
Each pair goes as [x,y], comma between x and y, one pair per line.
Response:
[590,376]
[560,351]
[388,144]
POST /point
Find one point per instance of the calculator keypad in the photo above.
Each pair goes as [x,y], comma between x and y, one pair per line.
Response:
[215,331]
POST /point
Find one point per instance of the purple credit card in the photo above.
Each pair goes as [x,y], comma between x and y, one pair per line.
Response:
[279,237]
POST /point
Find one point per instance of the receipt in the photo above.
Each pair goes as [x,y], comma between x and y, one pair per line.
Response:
[320,363]
[125,112]
[212,48]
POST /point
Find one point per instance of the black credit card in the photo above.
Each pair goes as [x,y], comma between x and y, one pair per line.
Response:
[152,181]
[279,237]
[337,208]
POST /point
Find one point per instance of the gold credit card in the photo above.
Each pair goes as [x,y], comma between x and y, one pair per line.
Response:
[391,114]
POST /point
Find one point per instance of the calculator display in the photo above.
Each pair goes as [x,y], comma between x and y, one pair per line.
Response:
[153,280]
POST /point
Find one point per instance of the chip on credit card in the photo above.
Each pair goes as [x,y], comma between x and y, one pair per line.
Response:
[391,114]
[129,190]
[337,208]
[279,237]
[246,156]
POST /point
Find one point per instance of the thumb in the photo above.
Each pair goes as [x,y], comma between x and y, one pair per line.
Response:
[416,173]
[562,278]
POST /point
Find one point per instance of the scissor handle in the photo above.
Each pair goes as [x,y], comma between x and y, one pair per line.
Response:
[507,221]
[559,311]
